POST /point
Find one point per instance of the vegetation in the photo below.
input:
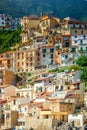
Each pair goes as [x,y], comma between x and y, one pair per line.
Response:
[9,39]
[84,74]
[20,8]
[62,69]
[82,61]
[74,67]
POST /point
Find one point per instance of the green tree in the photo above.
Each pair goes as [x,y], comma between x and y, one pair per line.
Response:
[9,39]
[82,61]
[84,74]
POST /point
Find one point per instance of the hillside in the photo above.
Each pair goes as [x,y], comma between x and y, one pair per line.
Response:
[61,8]
[9,39]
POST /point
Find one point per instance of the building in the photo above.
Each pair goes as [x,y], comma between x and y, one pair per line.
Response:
[6,60]
[73,35]
[47,55]
[48,22]
[10,119]
[31,22]
[7,91]
[77,119]
[25,60]
[45,123]
[5,22]
[15,23]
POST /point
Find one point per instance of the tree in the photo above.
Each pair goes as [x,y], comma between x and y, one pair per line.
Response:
[84,74]
[82,61]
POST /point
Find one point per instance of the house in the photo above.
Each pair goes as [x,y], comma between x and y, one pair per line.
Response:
[5,22]
[78,120]
[48,22]
[10,119]
[30,22]
[6,60]
[46,123]
[47,55]
[25,60]
[59,109]
[25,92]
[7,91]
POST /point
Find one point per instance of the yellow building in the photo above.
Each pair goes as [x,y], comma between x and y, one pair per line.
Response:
[25,60]
[47,23]
[30,22]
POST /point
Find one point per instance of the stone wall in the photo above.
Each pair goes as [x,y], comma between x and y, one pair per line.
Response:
[40,124]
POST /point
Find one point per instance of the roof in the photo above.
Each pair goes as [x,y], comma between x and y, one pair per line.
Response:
[74,96]
[48,46]
[43,78]
[45,109]
[4,86]
[78,82]
[44,94]
[3,101]
[33,17]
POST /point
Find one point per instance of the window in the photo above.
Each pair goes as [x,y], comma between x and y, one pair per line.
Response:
[74,26]
[84,36]
[77,86]
[75,31]
[81,41]
[43,50]
[75,41]
[51,56]
[2,18]
[82,32]
[85,26]
[51,61]
[26,64]
[7,23]
[7,19]
[80,26]
[81,48]
[52,50]
[66,56]
[75,36]
[18,63]
[86,48]
[43,55]
[34,113]
[2,22]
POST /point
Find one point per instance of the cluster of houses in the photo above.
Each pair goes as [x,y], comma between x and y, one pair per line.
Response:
[8,23]
[52,99]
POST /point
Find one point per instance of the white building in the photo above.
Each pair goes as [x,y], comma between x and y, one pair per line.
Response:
[47,55]
[77,118]
[5,22]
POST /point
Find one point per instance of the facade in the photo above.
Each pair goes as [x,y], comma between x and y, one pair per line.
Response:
[47,23]
[78,120]
[47,124]
[25,60]
[10,119]
[73,40]
[2,75]
[47,55]
[7,91]
[60,110]
[5,22]
[25,92]
[6,60]
[31,22]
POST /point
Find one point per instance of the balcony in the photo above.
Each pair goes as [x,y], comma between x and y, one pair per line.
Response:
[65,50]
[82,51]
